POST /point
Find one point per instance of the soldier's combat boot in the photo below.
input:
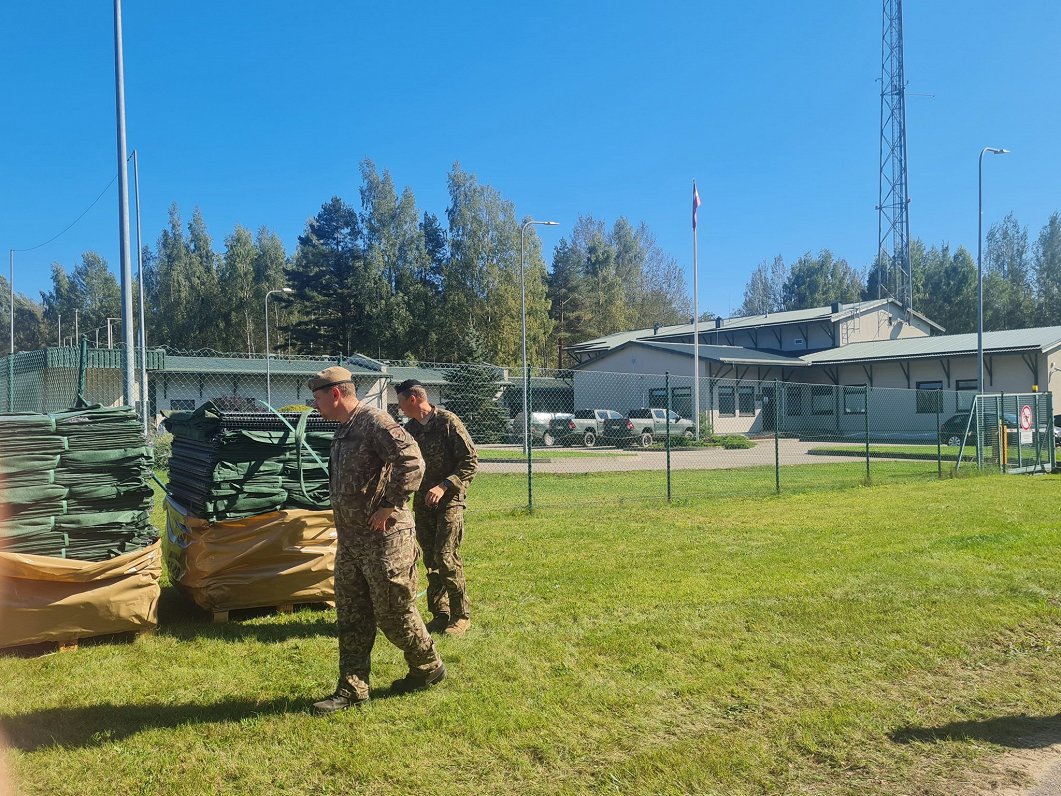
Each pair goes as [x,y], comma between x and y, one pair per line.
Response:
[412,682]
[438,624]
[340,700]
[458,627]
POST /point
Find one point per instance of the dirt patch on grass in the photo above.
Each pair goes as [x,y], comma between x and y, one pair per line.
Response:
[1034,769]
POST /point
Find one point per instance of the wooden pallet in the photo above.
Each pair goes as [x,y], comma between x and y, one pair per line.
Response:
[221,617]
[41,648]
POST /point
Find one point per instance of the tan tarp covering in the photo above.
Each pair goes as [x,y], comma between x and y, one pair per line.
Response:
[269,559]
[61,599]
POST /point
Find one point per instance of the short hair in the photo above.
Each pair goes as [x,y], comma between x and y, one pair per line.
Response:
[346,388]
[416,390]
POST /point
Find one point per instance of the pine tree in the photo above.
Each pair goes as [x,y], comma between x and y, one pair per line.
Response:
[474,389]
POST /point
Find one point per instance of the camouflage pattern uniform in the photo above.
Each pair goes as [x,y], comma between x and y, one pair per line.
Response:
[450,459]
[375,463]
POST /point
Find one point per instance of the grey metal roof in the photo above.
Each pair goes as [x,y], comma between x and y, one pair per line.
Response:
[610,341]
[1043,338]
[787,317]
[256,366]
[727,354]
[399,373]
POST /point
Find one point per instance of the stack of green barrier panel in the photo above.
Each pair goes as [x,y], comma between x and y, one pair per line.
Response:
[75,484]
[229,465]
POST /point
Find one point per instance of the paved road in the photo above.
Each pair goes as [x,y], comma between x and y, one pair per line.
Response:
[792,451]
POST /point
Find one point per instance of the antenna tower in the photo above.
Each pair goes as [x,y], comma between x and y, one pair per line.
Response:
[893,219]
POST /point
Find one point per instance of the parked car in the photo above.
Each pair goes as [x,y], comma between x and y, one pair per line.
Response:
[539,427]
[644,426]
[585,427]
[951,429]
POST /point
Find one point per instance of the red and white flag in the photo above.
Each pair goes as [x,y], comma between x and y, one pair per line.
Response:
[696,204]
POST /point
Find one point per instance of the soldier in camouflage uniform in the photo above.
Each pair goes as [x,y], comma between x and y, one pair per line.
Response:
[450,461]
[374,467]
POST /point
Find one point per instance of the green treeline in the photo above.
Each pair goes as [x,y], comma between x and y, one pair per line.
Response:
[1022,281]
[384,278]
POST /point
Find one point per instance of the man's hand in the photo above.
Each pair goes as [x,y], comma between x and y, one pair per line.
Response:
[434,495]
[380,517]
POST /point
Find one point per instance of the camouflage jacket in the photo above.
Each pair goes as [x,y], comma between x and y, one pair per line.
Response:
[449,453]
[373,462]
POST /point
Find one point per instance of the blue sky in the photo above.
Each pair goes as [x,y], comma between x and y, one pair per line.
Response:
[260,112]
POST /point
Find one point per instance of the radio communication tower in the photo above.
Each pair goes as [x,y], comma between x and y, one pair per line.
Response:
[893,219]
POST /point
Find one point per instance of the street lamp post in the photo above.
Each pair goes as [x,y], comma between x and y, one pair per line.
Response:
[140,284]
[526,369]
[980,269]
[268,370]
[110,335]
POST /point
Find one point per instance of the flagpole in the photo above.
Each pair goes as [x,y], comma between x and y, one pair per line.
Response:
[696,324]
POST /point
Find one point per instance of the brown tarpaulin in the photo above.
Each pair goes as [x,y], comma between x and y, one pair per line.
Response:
[270,559]
[61,599]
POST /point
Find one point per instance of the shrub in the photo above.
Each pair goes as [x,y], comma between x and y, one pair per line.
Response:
[294,408]
[736,442]
[163,446]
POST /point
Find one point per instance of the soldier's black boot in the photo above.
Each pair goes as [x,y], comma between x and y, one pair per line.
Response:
[342,699]
[438,623]
[413,682]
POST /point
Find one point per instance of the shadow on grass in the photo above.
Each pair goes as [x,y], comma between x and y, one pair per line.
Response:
[1018,732]
[180,618]
[96,725]
[101,724]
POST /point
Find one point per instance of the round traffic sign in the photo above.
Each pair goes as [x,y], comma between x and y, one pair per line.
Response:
[1026,417]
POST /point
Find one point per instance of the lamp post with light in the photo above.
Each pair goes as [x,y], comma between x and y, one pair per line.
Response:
[523,341]
[268,354]
[980,269]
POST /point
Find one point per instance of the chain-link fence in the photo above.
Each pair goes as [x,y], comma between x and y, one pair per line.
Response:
[596,436]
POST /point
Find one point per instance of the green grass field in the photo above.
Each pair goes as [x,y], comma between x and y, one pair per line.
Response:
[863,640]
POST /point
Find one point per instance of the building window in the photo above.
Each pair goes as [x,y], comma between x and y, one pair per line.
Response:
[657,398]
[821,400]
[746,399]
[963,403]
[855,399]
[726,406]
[793,400]
[929,397]
[682,400]
[182,404]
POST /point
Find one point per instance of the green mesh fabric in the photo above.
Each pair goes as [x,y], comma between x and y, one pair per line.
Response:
[75,484]
[232,465]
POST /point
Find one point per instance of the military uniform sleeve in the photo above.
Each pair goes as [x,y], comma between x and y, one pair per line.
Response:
[463,452]
[400,451]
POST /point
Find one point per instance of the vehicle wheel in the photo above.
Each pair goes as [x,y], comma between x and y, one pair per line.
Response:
[688,434]
[589,439]
[645,439]
[548,440]
[954,440]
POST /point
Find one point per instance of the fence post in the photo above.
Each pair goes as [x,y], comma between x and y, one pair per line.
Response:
[666,384]
[865,413]
[11,381]
[939,444]
[530,441]
[777,432]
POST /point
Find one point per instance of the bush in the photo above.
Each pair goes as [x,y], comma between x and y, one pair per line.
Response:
[294,408]
[736,442]
[163,446]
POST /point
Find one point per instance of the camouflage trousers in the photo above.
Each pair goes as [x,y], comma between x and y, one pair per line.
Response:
[375,584]
[440,532]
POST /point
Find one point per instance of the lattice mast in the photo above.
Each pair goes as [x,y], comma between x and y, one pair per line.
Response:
[893,219]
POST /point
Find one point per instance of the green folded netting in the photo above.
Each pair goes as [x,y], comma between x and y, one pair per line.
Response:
[75,483]
[228,465]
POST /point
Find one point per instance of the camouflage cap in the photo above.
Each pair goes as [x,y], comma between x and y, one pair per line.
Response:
[329,377]
[406,385]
